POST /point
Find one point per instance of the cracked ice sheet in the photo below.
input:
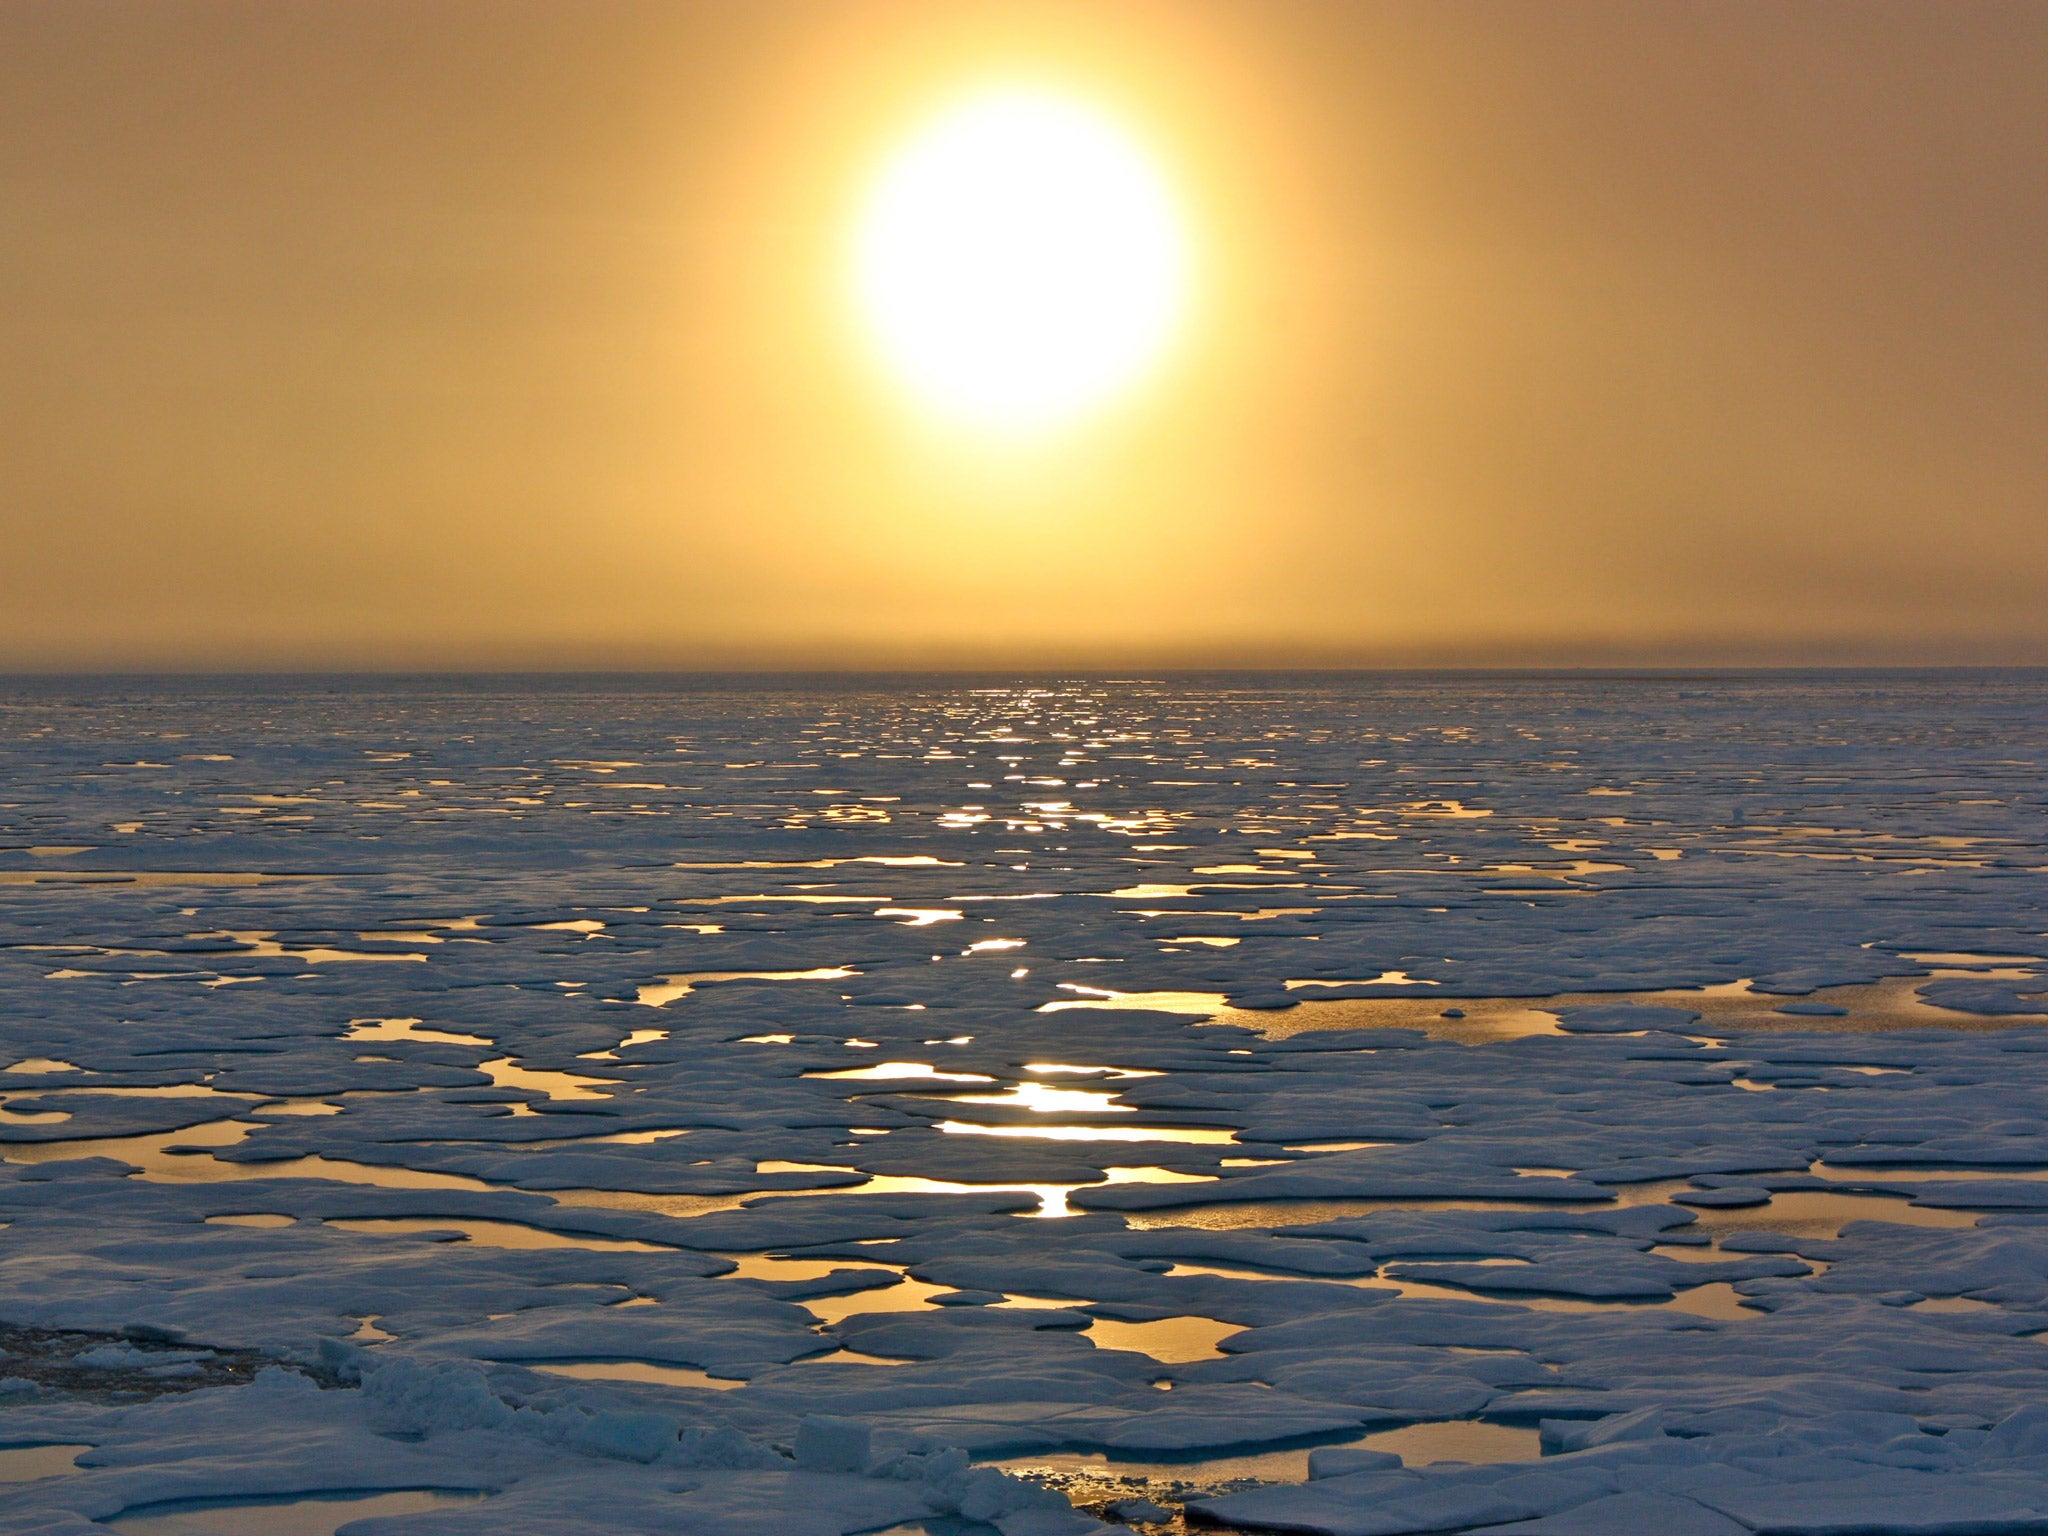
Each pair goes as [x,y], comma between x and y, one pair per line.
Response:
[1554,967]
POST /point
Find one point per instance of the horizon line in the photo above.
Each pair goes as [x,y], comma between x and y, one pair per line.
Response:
[1098,673]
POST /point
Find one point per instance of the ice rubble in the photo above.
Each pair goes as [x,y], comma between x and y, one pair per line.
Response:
[1750,1266]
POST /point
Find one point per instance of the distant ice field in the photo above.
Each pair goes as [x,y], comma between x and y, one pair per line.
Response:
[1355,1104]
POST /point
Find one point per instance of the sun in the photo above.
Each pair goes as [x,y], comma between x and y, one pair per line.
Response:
[1020,261]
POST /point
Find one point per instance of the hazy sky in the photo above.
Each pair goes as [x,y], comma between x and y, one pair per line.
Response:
[498,332]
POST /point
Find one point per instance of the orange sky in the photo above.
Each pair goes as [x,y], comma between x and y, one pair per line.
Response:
[500,333]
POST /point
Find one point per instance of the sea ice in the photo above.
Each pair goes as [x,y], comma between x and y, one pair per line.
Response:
[1172,1073]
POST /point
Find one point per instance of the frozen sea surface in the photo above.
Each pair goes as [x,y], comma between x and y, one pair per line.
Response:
[1566,1105]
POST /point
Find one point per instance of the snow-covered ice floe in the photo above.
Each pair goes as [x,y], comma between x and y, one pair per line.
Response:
[1550,1105]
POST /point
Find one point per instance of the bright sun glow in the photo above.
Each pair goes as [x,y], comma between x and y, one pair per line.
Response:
[1020,261]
